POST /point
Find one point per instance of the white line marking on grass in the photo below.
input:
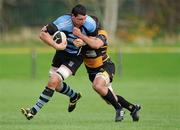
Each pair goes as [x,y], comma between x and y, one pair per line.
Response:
[25,50]
[122,50]
[149,50]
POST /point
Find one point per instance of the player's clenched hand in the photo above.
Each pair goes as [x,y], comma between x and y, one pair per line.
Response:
[76,31]
[60,46]
[78,42]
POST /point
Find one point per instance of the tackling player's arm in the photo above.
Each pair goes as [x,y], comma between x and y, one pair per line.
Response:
[46,36]
[93,42]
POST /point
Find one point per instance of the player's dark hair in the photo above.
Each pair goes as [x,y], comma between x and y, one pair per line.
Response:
[79,9]
[98,24]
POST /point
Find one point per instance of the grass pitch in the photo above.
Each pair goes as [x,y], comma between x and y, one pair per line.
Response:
[150,79]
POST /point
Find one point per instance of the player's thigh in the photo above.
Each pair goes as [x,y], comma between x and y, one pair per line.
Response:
[109,67]
[73,63]
[102,77]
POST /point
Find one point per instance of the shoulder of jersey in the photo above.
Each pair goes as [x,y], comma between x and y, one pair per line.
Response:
[90,23]
[103,32]
[63,19]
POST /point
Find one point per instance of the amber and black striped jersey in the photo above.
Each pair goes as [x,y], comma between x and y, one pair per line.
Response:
[94,58]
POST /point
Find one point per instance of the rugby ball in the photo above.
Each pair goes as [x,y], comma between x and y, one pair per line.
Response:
[59,37]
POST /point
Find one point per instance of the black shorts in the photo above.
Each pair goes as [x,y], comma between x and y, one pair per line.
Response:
[107,66]
[73,62]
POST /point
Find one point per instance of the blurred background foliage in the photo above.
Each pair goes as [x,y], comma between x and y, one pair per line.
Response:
[131,21]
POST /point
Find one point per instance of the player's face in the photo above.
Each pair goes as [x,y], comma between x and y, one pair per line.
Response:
[78,20]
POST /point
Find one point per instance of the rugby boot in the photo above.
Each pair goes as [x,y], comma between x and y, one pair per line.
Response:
[72,103]
[27,113]
[135,113]
[119,115]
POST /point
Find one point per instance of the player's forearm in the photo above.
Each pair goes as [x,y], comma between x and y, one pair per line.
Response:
[46,38]
[92,41]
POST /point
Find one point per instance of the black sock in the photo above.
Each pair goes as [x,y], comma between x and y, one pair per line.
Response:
[124,103]
[111,99]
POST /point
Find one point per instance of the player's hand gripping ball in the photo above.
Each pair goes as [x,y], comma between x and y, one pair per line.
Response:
[59,37]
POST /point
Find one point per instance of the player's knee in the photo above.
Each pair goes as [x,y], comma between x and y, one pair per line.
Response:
[54,81]
[97,86]
[58,88]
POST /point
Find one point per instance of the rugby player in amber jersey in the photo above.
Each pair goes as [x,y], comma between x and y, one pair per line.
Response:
[101,71]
